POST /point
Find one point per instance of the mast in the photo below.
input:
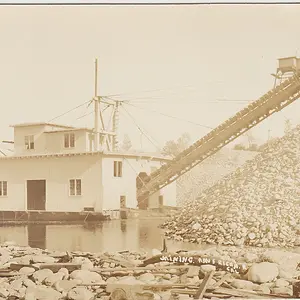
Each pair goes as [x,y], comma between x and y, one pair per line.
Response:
[115,125]
[96,109]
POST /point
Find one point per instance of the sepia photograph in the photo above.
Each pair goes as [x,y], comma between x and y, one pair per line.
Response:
[149,151]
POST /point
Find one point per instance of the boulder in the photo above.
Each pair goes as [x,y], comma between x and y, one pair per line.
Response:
[263,272]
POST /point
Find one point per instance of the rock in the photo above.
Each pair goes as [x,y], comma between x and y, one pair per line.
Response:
[263,289]
[80,293]
[3,293]
[243,284]
[131,280]
[193,271]
[42,293]
[41,275]
[53,278]
[26,270]
[207,268]
[86,276]
[16,284]
[86,264]
[196,226]
[263,272]
[65,272]
[65,285]
[282,291]
[147,277]
[28,283]
[281,283]
[111,280]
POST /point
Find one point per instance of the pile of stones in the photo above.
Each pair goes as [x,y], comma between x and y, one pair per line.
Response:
[268,272]
[257,205]
[209,172]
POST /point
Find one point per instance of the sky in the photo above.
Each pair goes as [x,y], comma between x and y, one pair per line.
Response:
[169,64]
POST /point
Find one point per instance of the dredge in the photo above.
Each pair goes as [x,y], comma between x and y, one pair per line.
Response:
[285,91]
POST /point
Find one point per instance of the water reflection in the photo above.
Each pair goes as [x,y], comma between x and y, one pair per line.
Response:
[36,235]
[123,225]
[115,235]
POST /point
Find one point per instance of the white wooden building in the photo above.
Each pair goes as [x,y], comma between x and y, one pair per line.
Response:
[54,168]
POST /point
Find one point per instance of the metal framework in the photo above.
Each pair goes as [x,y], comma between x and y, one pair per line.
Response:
[283,94]
[105,135]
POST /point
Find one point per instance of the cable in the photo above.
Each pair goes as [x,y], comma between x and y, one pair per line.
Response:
[142,133]
[69,111]
[172,117]
[139,128]
[147,91]
[85,115]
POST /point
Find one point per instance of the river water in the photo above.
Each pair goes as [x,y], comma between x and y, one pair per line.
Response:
[108,236]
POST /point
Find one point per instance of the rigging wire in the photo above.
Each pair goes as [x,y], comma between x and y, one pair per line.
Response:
[147,91]
[139,128]
[69,111]
[85,115]
[173,117]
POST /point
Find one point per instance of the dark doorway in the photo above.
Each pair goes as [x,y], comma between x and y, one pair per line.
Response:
[36,194]
[143,201]
[37,235]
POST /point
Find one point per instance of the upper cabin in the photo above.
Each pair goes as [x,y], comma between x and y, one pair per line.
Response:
[288,64]
[43,138]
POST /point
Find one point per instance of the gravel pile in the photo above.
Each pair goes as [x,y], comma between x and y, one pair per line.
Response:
[257,205]
[210,172]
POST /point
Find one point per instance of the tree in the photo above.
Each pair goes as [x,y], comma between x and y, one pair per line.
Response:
[239,147]
[173,148]
[126,145]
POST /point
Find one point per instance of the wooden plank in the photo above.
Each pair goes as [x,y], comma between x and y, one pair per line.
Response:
[99,270]
[242,293]
[203,286]
[9,274]
[192,292]
[221,281]
[18,267]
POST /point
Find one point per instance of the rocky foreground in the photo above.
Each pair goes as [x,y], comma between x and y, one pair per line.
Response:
[257,205]
[35,274]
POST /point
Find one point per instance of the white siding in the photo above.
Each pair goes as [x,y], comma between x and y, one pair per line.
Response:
[55,142]
[39,139]
[57,172]
[114,187]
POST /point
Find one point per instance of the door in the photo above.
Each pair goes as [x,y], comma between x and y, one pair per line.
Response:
[36,194]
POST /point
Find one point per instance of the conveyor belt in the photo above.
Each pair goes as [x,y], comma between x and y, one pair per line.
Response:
[275,100]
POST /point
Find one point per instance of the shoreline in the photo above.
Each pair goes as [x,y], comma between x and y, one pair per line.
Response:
[36,274]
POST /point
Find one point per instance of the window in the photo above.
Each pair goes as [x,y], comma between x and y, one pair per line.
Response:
[29,142]
[75,187]
[69,140]
[3,188]
[118,168]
